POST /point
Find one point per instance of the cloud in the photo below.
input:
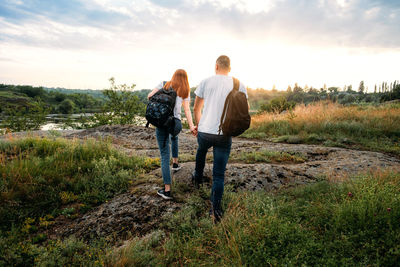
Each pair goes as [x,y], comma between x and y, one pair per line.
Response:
[6,59]
[71,12]
[78,24]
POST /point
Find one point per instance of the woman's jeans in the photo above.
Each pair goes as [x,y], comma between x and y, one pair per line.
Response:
[221,150]
[163,138]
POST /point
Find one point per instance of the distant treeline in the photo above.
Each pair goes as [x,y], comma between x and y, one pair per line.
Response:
[277,101]
[54,101]
[27,99]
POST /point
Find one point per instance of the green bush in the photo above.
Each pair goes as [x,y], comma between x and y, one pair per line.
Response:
[277,105]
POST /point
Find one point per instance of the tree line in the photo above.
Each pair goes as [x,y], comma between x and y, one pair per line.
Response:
[278,101]
[25,107]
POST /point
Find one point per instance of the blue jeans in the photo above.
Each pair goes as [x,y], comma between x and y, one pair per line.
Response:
[163,138]
[221,150]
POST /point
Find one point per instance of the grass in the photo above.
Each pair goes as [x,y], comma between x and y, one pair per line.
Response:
[351,223]
[268,157]
[374,128]
[354,223]
[251,157]
[40,175]
[41,179]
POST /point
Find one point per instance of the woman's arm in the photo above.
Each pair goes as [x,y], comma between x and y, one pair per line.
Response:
[188,114]
[155,90]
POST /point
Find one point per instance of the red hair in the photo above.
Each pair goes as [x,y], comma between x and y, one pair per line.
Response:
[179,83]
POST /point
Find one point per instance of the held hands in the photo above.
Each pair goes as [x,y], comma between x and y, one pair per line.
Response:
[194,130]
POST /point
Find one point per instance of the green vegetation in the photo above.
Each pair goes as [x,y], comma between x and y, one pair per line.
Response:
[268,156]
[44,178]
[365,127]
[23,118]
[86,174]
[121,106]
[25,108]
[278,105]
[15,96]
[327,223]
[351,223]
[278,101]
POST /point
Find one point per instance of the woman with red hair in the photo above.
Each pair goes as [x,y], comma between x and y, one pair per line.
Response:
[180,84]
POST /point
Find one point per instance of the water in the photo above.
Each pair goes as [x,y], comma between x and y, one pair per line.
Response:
[56,121]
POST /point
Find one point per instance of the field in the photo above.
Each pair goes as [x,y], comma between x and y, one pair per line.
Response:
[354,223]
[351,220]
[43,179]
[368,127]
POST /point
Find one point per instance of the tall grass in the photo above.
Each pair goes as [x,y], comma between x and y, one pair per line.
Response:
[41,179]
[355,223]
[367,127]
[39,176]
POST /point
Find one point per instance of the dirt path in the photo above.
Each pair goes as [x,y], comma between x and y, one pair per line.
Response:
[140,210]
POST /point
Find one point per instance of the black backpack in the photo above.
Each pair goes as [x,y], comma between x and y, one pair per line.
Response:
[235,118]
[160,109]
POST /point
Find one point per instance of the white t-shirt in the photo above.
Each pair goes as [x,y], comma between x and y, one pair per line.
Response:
[178,102]
[214,91]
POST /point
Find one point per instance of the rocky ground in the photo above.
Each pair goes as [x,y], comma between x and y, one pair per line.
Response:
[140,210]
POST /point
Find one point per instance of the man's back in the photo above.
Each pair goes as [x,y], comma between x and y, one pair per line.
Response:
[214,91]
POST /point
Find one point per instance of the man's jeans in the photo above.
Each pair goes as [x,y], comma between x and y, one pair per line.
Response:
[221,150]
[163,138]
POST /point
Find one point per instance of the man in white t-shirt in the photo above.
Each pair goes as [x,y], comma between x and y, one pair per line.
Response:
[211,93]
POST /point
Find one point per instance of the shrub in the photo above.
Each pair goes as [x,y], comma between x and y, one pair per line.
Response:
[277,105]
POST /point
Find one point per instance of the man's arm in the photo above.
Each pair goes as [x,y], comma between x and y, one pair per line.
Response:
[198,105]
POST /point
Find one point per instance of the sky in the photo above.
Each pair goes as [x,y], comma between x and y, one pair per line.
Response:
[82,43]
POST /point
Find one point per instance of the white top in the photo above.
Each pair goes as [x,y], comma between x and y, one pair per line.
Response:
[214,91]
[178,102]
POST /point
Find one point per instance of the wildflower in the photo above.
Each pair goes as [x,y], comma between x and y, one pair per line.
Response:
[350,194]
[389,209]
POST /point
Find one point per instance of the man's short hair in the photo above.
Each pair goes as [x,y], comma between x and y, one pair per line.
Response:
[224,62]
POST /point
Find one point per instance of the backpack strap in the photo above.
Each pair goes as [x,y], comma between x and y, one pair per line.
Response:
[236,85]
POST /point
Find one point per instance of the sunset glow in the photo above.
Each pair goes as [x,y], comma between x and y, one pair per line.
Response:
[80,44]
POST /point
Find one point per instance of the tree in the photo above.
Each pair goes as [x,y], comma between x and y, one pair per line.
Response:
[121,106]
[31,91]
[350,88]
[66,106]
[361,88]
[25,118]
